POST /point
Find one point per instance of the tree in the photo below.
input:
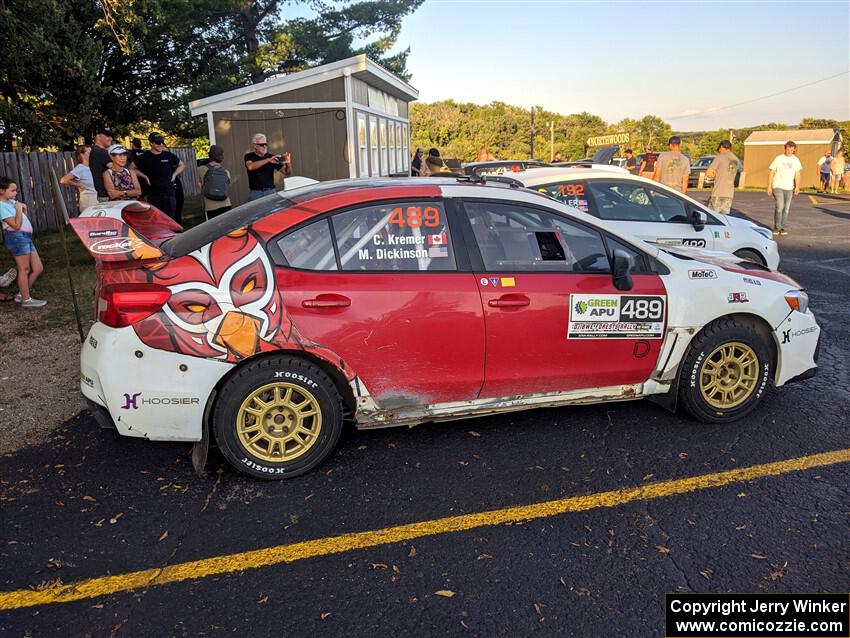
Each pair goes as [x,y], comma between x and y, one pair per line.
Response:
[126,61]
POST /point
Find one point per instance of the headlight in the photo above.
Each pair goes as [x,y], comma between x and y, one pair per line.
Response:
[764,232]
[798,300]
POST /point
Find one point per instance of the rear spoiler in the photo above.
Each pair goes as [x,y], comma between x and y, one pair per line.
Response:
[124,231]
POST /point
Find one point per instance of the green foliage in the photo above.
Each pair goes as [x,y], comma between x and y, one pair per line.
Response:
[123,62]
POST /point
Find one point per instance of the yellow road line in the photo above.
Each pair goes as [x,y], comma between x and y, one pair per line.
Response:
[106,585]
[812,199]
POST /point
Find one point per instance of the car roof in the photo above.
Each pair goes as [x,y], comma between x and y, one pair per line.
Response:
[503,162]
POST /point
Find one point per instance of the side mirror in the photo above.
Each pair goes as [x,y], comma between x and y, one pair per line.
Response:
[699,220]
[622,274]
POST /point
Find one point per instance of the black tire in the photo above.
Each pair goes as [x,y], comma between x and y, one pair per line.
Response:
[702,359]
[261,386]
[751,255]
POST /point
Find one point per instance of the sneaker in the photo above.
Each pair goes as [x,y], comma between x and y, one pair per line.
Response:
[783,232]
[8,277]
[32,302]
[776,232]
[18,298]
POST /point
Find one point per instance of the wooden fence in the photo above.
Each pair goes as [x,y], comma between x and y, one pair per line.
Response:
[31,172]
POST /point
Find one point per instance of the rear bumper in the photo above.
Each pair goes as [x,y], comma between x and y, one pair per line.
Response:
[144,392]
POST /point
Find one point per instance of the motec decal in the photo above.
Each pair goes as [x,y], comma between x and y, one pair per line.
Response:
[616,316]
[705,273]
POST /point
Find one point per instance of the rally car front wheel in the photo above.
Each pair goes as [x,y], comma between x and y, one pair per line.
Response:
[277,417]
[726,372]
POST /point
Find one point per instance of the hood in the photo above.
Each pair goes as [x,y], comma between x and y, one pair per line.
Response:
[728,262]
[604,155]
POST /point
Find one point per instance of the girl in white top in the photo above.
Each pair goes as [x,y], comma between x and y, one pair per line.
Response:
[80,178]
[837,169]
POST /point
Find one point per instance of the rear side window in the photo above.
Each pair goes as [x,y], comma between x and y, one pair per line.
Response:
[512,237]
[407,236]
[572,194]
[309,247]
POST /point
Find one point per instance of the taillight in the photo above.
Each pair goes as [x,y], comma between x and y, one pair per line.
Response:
[122,305]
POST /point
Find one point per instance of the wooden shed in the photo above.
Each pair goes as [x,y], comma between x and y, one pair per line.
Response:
[762,146]
[339,120]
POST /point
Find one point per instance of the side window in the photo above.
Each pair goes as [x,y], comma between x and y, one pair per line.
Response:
[513,237]
[309,247]
[670,208]
[572,194]
[641,263]
[406,236]
[623,201]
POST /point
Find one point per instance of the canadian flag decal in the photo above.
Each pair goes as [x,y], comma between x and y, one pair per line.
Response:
[438,240]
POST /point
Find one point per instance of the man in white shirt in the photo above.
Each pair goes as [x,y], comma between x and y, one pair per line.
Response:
[782,184]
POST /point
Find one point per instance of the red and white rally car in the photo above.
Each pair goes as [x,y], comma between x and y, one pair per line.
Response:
[397,302]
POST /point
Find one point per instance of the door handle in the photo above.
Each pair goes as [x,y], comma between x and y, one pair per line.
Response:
[509,301]
[327,301]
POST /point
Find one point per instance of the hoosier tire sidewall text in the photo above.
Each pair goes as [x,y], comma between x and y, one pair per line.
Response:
[255,375]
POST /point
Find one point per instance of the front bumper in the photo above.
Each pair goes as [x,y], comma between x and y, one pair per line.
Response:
[798,347]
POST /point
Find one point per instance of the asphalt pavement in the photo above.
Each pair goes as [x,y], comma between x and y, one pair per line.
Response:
[89,504]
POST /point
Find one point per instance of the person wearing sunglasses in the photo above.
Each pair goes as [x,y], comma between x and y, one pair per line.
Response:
[160,168]
[261,167]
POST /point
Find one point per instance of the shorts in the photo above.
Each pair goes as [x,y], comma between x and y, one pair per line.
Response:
[18,243]
[720,204]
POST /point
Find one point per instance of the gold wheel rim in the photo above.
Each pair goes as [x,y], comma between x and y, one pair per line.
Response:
[729,375]
[279,422]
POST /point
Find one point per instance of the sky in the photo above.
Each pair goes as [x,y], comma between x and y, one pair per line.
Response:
[683,61]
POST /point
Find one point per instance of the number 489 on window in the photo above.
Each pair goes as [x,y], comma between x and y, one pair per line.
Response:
[414,217]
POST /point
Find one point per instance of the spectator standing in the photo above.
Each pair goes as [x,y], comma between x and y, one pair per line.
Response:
[80,177]
[434,164]
[120,182]
[631,162]
[837,169]
[723,170]
[99,160]
[261,167]
[783,182]
[214,182]
[161,168]
[647,164]
[17,237]
[672,168]
[825,171]
[557,157]
[416,164]
[133,154]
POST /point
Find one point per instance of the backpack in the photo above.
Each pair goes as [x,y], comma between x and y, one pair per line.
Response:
[216,183]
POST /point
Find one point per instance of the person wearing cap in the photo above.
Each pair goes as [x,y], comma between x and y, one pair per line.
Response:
[825,171]
[99,160]
[161,168]
[120,181]
[672,167]
[723,170]
[783,182]
[261,167]
[214,183]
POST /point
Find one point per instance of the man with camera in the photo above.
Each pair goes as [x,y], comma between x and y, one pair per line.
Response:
[261,166]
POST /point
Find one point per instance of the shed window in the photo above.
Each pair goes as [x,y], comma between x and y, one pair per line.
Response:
[362,146]
[373,145]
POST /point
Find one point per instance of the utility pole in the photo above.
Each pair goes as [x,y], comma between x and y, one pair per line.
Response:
[532,133]
[552,141]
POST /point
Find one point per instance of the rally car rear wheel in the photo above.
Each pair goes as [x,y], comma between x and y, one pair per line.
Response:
[277,417]
[726,371]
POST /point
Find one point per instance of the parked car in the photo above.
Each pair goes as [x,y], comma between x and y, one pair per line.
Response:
[397,302]
[499,167]
[701,166]
[652,211]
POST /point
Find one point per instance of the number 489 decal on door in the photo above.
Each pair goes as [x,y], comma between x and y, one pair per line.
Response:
[616,316]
